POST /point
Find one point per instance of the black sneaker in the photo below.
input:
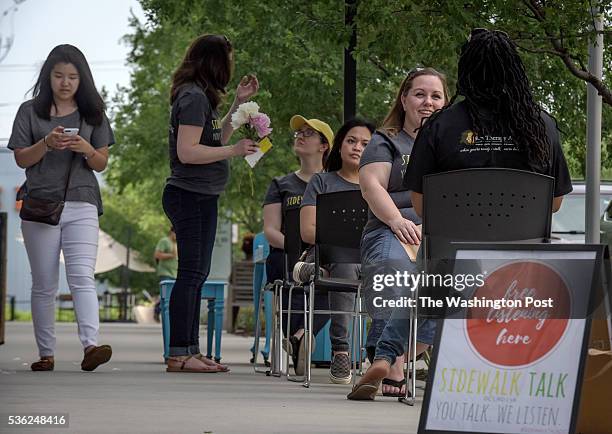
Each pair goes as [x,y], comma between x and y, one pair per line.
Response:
[303,272]
[340,369]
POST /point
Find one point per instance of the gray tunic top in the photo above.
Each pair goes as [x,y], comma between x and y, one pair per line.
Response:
[47,178]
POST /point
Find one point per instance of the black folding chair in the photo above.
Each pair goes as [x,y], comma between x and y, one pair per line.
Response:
[484,205]
[341,217]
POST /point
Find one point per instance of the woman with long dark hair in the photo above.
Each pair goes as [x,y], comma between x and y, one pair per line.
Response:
[199,172]
[341,174]
[60,137]
[499,121]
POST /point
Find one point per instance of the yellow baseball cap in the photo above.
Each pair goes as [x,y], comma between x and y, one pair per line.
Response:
[298,122]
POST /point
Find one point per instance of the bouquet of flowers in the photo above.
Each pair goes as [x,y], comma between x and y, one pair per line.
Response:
[255,126]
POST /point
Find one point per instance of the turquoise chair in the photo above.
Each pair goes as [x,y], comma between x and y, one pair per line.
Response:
[261,249]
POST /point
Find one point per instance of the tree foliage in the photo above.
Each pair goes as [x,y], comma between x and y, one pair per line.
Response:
[296,50]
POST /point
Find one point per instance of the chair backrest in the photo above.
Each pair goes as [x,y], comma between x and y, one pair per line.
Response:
[485,204]
[341,217]
[293,240]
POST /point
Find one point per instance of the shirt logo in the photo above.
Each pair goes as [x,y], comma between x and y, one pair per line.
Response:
[294,200]
[216,135]
[468,137]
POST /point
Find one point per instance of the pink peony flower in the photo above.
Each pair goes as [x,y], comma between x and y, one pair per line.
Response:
[261,123]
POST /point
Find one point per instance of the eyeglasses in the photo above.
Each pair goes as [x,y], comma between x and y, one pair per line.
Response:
[308,132]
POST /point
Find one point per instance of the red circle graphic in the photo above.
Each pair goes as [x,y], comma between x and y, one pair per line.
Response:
[521,335]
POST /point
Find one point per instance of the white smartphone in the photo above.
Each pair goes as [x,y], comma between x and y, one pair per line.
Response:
[71,131]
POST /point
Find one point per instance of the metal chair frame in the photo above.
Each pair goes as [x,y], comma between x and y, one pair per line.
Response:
[341,217]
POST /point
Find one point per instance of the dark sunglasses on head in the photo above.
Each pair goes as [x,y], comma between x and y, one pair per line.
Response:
[227,41]
[415,70]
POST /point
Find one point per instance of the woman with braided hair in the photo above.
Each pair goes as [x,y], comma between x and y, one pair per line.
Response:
[497,124]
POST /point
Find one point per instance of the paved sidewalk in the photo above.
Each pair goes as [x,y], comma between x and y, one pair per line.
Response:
[133,394]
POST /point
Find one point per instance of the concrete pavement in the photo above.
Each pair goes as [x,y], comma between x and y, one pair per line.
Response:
[133,394]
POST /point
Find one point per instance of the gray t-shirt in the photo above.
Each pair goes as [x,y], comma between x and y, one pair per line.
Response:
[395,150]
[47,178]
[327,182]
[287,190]
[192,107]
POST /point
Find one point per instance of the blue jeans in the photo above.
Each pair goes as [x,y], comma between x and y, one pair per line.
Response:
[194,217]
[382,254]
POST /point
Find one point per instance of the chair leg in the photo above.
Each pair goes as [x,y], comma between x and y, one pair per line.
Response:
[410,396]
[276,366]
[361,334]
[256,368]
[308,355]
[355,343]
[288,332]
[295,378]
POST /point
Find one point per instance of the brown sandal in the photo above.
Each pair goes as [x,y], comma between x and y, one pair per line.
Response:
[44,364]
[210,362]
[95,357]
[364,392]
[203,370]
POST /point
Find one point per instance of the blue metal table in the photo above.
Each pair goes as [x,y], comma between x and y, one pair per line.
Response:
[214,292]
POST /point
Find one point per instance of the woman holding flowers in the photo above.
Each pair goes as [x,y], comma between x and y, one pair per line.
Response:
[199,172]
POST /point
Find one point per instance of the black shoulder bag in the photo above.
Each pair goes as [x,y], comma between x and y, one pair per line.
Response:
[45,210]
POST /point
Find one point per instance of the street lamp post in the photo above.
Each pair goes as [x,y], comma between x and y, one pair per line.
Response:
[593,156]
[350,65]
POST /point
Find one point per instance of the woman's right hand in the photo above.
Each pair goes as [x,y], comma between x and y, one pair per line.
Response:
[245,147]
[55,138]
[406,230]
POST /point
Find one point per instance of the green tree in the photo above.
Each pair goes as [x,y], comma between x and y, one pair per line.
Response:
[296,50]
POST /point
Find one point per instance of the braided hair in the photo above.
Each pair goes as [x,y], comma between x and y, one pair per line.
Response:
[491,75]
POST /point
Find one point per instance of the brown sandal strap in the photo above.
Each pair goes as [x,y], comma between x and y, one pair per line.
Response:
[179,360]
[44,364]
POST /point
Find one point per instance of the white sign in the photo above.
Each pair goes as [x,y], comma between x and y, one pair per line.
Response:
[513,369]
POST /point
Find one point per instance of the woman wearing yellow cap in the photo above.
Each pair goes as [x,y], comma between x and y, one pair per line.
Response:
[313,139]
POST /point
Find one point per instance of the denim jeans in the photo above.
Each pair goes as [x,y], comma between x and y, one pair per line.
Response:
[382,253]
[194,217]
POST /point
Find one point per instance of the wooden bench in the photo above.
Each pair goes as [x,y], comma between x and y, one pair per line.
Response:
[240,290]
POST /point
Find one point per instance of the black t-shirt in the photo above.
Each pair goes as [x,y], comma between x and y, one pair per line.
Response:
[192,107]
[395,150]
[447,142]
[287,190]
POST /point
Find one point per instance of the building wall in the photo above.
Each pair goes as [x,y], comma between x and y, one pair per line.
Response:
[19,279]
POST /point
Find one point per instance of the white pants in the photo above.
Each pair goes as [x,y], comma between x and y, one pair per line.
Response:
[77,237]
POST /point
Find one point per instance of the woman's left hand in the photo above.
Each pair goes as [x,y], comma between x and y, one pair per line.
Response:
[247,88]
[80,145]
